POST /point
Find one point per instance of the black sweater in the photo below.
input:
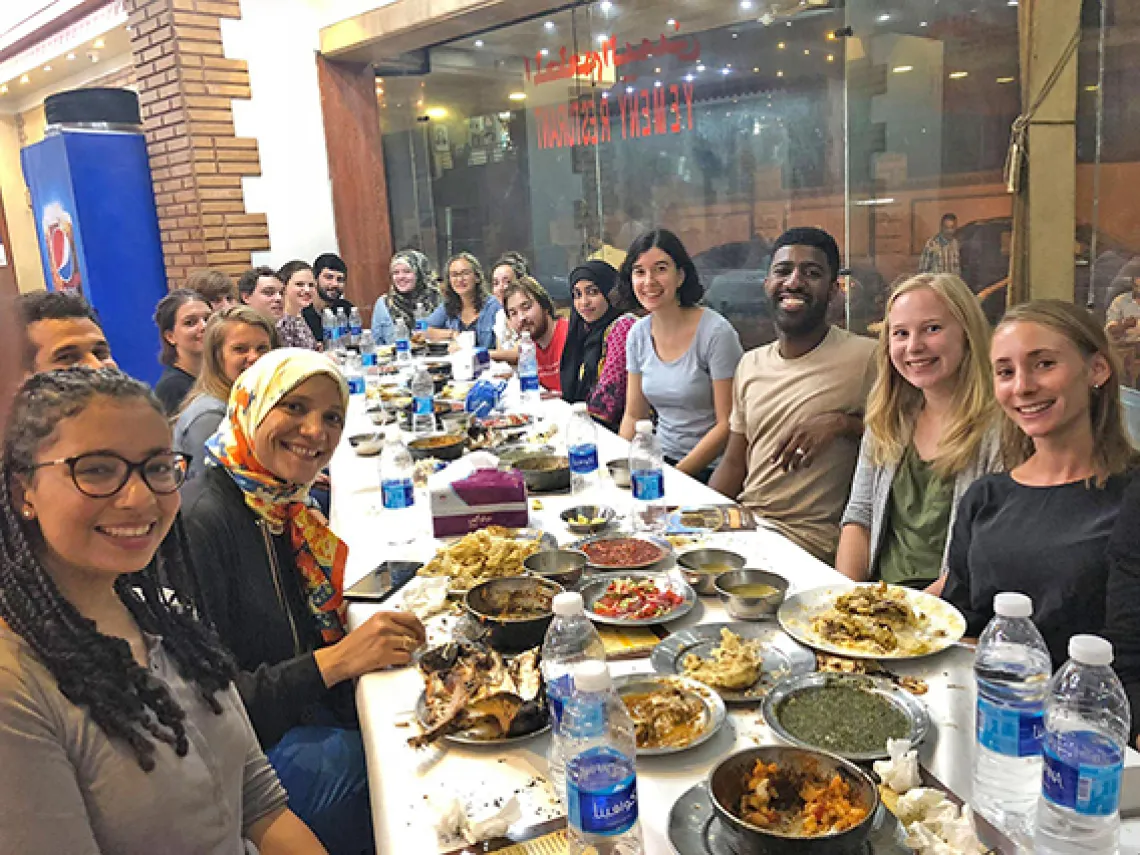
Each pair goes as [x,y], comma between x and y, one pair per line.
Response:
[257,605]
[1122,623]
[1047,542]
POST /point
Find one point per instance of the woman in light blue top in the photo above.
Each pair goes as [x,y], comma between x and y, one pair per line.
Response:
[680,359]
[413,296]
[467,304]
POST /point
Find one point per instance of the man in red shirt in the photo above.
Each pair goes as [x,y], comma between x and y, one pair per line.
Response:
[530,309]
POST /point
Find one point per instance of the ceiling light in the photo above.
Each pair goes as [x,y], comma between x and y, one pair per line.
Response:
[25,79]
[603,38]
[98,44]
[780,45]
[1005,80]
[672,22]
[779,74]
[1092,88]
[70,56]
[831,36]
[657,71]
[3,88]
[756,70]
[478,43]
[549,25]
[923,24]
[958,75]
[883,18]
[379,79]
[545,52]
[517,96]
[745,5]
[605,5]
[437,112]
[831,57]
[902,69]
[807,52]
[736,35]
[1011,2]
[656,84]
[605,96]
[700,68]
[726,71]
[629,90]
[688,78]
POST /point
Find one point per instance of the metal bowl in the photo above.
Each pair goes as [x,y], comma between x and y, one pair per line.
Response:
[431,446]
[455,421]
[487,602]
[564,566]
[700,567]
[750,608]
[380,416]
[726,785]
[546,473]
[367,444]
[619,472]
[605,515]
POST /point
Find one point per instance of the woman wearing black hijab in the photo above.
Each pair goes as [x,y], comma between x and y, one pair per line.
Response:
[593,361]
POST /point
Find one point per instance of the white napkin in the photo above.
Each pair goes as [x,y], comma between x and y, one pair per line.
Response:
[476,823]
[426,595]
[934,826]
[461,468]
[900,772]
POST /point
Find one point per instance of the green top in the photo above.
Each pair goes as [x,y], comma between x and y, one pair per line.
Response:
[918,518]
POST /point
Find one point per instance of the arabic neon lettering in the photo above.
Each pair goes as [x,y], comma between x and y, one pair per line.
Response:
[593,64]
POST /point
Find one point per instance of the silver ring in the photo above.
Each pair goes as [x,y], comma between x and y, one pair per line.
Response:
[800,452]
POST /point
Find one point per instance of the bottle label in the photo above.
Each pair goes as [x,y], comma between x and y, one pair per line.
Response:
[528,382]
[403,345]
[648,485]
[355,384]
[557,693]
[583,459]
[601,792]
[1082,772]
[398,493]
[423,406]
[368,360]
[1012,731]
[355,328]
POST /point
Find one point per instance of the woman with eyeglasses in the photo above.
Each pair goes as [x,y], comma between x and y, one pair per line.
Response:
[271,575]
[121,729]
[467,304]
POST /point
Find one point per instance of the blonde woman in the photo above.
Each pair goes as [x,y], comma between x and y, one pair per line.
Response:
[235,339]
[931,431]
[1043,527]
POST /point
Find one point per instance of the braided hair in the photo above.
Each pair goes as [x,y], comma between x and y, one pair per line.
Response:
[94,670]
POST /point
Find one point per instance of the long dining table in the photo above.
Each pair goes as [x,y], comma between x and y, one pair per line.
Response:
[409,785]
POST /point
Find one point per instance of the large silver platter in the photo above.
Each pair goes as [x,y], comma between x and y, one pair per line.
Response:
[592,589]
[694,829]
[467,737]
[903,701]
[782,656]
[661,563]
[712,718]
[945,624]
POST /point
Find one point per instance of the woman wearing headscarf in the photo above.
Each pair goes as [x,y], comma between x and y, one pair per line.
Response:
[271,576]
[593,361]
[413,295]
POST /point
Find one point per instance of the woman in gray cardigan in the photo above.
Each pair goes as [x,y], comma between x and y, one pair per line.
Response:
[931,431]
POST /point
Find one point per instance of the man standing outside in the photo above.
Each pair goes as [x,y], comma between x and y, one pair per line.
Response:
[530,309]
[942,253]
[797,403]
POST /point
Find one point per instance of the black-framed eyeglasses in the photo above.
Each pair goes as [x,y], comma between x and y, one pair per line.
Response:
[101,474]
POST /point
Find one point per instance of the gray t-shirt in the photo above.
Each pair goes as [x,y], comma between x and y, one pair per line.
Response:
[198,423]
[66,787]
[681,391]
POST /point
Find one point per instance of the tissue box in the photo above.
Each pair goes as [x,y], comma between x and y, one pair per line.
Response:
[486,497]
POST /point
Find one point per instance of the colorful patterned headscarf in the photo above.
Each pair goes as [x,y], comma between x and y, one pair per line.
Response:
[320,554]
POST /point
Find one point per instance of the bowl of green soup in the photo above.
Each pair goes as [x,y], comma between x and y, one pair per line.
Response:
[749,594]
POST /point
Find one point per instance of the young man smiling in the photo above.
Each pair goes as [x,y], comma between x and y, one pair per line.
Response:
[797,408]
[530,309]
[62,332]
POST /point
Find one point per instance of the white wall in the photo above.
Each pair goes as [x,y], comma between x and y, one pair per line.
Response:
[279,39]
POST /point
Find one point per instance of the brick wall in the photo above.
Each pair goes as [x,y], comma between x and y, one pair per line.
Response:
[185,84]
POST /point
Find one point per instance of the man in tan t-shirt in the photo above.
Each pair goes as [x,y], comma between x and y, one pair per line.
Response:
[797,408]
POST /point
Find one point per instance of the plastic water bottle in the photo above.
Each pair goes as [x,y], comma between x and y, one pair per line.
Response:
[420,317]
[397,490]
[1086,732]
[354,374]
[423,402]
[403,342]
[368,359]
[582,449]
[528,372]
[601,781]
[571,639]
[354,327]
[341,328]
[328,330]
[1011,671]
[647,479]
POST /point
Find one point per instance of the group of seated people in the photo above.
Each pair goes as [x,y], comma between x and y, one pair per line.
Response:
[185,675]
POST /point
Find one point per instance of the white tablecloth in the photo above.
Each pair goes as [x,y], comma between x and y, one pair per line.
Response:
[401,779]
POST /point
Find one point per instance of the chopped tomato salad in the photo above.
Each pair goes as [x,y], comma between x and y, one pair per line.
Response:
[636,599]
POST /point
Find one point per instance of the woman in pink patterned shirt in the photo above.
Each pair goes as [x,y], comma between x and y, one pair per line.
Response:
[593,361]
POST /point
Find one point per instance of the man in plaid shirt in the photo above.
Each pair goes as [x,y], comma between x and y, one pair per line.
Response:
[941,254]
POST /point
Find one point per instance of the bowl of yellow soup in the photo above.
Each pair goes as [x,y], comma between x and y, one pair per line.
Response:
[700,567]
[751,594]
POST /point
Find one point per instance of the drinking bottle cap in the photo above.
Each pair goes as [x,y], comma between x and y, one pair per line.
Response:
[592,676]
[1010,604]
[568,604]
[1090,650]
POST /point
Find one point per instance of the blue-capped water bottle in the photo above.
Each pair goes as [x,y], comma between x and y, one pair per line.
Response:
[647,479]
[397,490]
[1011,671]
[528,372]
[570,640]
[601,779]
[1086,733]
[582,450]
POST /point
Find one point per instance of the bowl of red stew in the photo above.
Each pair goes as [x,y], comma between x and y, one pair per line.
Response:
[616,552]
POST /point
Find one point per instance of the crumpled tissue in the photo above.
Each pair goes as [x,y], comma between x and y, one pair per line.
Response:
[900,772]
[426,595]
[478,822]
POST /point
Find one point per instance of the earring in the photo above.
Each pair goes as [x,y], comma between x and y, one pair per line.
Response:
[28,513]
